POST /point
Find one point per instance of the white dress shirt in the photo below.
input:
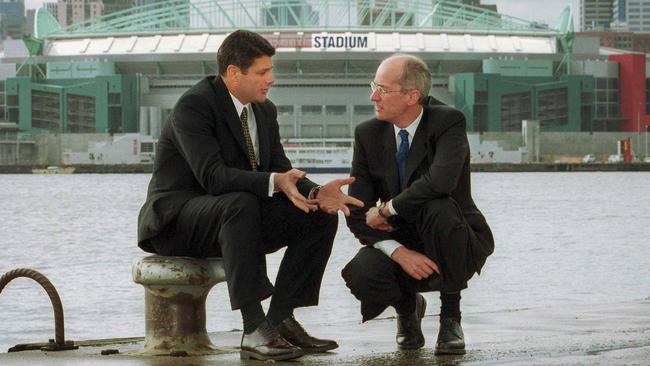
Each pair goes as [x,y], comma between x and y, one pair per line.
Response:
[252,129]
[389,246]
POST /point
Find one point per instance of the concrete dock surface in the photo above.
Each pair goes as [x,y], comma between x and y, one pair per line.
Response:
[604,334]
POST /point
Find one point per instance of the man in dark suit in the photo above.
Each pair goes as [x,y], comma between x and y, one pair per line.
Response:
[222,186]
[427,234]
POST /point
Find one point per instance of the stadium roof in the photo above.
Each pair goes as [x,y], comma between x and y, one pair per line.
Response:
[210,16]
[179,47]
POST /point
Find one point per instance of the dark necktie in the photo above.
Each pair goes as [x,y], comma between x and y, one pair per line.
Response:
[247,138]
[401,156]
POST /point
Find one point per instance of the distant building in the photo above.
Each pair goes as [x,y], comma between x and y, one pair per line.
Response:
[112,6]
[623,40]
[29,21]
[52,8]
[15,148]
[633,16]
[595,14]
[75,11]
[125,77]
[477,3]
[12,19]
[619,13]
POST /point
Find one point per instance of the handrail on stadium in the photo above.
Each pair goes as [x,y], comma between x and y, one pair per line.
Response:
[292,15]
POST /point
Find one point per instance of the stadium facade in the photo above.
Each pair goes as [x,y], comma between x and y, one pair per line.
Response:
[122,73]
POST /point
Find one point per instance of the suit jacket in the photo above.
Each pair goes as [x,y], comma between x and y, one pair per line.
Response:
[437,167]
[202,151]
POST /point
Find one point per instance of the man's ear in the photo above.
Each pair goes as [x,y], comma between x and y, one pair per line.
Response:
[233,73]
[415,97]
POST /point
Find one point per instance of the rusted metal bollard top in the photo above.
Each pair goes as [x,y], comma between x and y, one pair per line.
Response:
[175,292]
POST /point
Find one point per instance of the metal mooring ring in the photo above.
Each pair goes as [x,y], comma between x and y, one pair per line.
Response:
[59,343]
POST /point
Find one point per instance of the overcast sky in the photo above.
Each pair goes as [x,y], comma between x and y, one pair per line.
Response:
[544,11]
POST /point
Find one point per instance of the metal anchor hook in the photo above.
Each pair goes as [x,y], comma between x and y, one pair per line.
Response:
[58,343]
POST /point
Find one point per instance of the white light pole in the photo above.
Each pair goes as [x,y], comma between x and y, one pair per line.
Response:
[646,141]
[17,149]
[638,129]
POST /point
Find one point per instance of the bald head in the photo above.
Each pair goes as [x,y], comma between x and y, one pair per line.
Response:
[413,72]
[400,83]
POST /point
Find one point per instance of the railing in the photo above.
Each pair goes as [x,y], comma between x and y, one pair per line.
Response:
[299,15]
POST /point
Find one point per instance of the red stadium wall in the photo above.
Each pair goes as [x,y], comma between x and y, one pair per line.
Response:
[632,91]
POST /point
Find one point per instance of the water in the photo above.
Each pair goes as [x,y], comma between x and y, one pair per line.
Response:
[562,239]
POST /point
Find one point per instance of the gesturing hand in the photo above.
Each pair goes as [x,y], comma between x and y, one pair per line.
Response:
[286,183]
[416,264]
[331,199]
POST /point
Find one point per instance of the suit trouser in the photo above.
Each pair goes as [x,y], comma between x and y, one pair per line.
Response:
[242,228]
[441,233]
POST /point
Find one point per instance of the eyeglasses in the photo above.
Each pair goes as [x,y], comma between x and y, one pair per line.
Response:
[382,91]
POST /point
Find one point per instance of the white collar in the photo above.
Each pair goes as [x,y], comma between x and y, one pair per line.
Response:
[238,105]
[412,127]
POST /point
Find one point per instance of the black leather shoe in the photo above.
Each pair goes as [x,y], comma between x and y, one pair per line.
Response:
[265,343]
[293,332]
[409,327]
[451,340]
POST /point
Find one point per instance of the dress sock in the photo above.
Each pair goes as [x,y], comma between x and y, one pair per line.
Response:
[252,316]
[450,305]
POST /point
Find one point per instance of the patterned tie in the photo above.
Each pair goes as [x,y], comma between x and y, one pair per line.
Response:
[247,138]
[401,156]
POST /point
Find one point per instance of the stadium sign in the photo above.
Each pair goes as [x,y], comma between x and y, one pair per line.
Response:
[343,41]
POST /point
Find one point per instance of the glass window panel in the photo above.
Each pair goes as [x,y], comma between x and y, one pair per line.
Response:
[312,110]
[335,110]
[364,109]
[285,110]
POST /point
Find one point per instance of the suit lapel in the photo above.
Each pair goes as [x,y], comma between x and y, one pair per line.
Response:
[263,143]
[388,154]
[418,150]
[230,113]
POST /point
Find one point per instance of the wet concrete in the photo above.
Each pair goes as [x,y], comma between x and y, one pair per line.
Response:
[609,334]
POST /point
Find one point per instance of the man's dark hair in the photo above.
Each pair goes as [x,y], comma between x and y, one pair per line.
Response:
[241,48]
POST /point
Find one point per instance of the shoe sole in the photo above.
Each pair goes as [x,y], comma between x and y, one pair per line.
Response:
[408,348]
[441,352]
[247,355]
[319,350]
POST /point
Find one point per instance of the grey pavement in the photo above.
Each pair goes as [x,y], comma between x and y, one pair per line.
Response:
[605,334]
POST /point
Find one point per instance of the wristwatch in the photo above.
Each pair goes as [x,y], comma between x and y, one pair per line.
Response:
[381,207]
[313,193]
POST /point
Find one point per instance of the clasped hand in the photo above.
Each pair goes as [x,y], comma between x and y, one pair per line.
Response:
[376,221]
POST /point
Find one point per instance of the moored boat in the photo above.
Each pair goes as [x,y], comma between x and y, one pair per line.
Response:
[53,169]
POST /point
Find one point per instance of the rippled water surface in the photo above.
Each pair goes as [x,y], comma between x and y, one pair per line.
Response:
[562,239]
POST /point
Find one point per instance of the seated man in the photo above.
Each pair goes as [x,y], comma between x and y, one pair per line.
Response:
[222,186]
[427,234]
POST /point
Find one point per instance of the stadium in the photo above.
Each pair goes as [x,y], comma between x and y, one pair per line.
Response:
[122,73]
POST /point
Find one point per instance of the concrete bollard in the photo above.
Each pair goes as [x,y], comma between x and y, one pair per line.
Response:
[175,293]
